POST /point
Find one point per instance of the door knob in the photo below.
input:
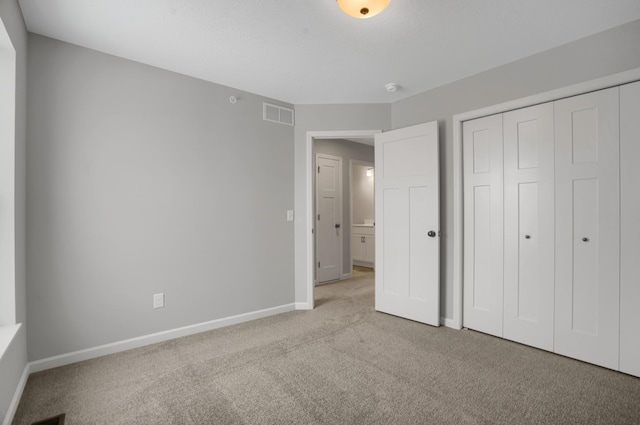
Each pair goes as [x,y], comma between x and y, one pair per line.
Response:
[337,226]
[431,234]
[585,239]
[527,237]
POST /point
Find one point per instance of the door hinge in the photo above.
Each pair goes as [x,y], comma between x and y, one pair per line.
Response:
[318,217]
[318,169]
[318,264]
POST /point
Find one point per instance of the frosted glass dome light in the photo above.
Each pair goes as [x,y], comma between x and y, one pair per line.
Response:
[362,9]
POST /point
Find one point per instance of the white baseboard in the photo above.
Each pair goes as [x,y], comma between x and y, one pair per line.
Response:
[116,347]
[346,276]
[303,306]
[447,322]
[13,406]
[363,264]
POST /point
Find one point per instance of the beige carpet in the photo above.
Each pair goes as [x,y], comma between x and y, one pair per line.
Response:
[339,364]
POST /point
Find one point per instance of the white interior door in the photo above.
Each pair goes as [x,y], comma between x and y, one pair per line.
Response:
[483,224]
[328,218]
[630,222]
[588,227]
[407,223]
[529,225]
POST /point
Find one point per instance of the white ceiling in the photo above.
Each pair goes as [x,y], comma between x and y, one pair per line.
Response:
[308,51]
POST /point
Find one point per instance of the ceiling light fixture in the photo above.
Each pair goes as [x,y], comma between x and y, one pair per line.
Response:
[362,8]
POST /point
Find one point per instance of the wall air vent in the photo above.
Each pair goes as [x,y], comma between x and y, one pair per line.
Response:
[279,114]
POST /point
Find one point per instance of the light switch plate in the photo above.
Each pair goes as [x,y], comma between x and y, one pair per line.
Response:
[289,215]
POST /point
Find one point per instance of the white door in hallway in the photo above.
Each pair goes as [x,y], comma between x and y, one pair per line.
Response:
[407,223]
[328,217]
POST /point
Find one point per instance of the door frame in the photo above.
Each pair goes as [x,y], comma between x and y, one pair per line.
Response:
[458,204]
[357,162]
[340,214]
[307,266]
[10,169]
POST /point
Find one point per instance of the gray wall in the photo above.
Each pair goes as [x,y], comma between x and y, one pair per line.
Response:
[15,359]
[324,118]
[142,181]
[347,151]
[603,54]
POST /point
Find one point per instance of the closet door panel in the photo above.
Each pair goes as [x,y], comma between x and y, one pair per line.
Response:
[587,223]
[585,295]
[630,225]
[529,226]
[483,224]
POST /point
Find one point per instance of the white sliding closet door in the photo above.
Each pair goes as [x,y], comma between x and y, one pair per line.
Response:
[588,227]
[529,226]
[483,224]
[630,222]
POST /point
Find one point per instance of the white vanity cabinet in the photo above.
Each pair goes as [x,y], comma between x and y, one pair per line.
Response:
[363,245]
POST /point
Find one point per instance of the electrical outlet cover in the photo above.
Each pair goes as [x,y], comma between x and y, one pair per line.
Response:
[158,300]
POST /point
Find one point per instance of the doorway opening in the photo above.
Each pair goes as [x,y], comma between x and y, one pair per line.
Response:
[358,136]
[362,203]
[344,208]
[407,282]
